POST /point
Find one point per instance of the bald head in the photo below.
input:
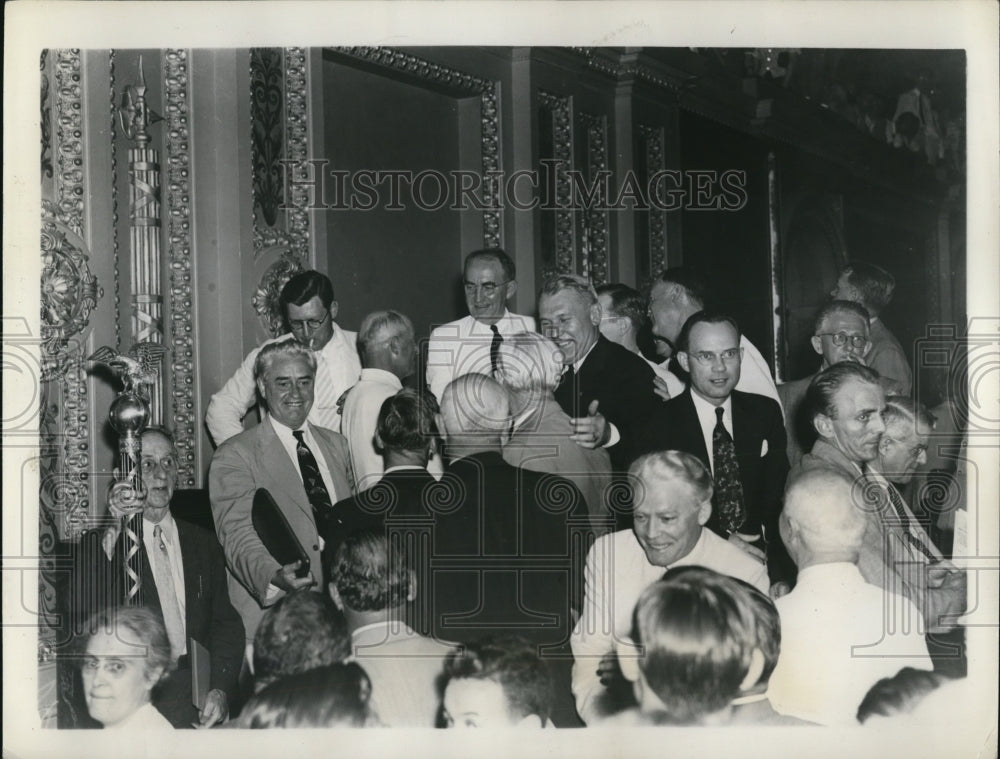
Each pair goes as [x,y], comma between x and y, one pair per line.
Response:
[475,405]
[822,520]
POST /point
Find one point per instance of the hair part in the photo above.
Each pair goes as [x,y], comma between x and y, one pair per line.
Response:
[333,695]
[625,302]
[406,421]
[819,397]
[900,409]
[372,326]
[282,349]
[666,466]
[875,285]
[529,361]
[839,307]
[368,575]
[303,287]
[704,317]
[691,283]
[493,254]
[572,282]
[301,631]
[146,624]
[511,662]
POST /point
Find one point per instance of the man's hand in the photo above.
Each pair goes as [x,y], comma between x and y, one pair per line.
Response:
[286,580]
[754,551]
[591,431]
[216,709]
[610,671]
[660,387]
[124,500]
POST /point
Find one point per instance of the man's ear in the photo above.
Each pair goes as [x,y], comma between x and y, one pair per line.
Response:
[439,421]
[704,512]
[377,442]
[867,350]
[334,309]
[260,389]
[596,312]
[510,289]
[684,360]
[817,344]
[331,588]
[755,671]
[823,425]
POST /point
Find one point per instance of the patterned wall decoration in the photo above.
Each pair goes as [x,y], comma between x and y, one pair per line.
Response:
[297,144]
[177,149]
[594,256]
[265,298]
[115,253]
[267,132]
[489,94]
[46,117]
[69,139]
[654,161]
[560,108]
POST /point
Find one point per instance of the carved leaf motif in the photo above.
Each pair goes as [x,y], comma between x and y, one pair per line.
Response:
[265,300]
[267,100]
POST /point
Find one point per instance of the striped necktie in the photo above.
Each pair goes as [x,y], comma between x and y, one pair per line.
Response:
[166,590]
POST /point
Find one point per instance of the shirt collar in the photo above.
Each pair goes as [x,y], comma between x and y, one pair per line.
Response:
[706,409]
[284,431]
[382,376]
[167,525]
[405,467]
[478,326]
[579,362]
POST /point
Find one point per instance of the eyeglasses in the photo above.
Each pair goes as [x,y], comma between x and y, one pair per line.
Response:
[707,358]
[313,324]
[148,466]
[488,289]
[914,452]
[839,338]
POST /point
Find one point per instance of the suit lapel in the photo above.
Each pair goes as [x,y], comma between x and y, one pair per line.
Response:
[743,437]
[335,464]
[691,427]
[191,560]
[274,459]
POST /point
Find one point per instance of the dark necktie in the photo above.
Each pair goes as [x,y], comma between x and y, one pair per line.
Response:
[495,348]
[897,505]
[316,491]
[728,497]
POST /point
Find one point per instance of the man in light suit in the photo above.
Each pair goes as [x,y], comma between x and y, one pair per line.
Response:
[709,351]
[469,345]
[195,590]
[305,468]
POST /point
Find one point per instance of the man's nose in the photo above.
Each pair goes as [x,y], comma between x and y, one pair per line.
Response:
[922,457]
[878,424]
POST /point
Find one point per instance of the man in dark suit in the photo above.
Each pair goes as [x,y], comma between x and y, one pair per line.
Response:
[406,433]
[508,549]
[739,436]
[305,468]
[183,578]
[606,389]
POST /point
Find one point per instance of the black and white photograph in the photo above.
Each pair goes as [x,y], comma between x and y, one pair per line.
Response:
[627,373]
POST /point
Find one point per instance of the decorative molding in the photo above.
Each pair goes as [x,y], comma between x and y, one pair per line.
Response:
[489,92]
[655,160]
[69,290]
[594,259]
[561,109]
[71,492]
[115,253]
[46,117]
[267,137]
[265,299]
[69,139]
[297,145]
[177,149]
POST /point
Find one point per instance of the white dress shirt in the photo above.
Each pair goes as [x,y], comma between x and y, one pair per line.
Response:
[707,420]
[171,539]
[755,374]
[463,347]
[146,717]
[360,418]
[616,573]
[337,369]
[839,636]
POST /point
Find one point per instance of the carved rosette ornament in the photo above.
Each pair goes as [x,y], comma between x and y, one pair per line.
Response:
[265,299]
[69,290]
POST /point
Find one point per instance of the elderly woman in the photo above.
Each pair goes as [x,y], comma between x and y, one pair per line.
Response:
[529,367]
[126,656]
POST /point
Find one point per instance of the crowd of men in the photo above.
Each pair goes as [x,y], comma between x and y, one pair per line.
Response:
[549,528]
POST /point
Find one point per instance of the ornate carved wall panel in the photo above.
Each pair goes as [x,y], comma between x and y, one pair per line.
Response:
[652,141]
[558,225]
[177,150]
[594,248]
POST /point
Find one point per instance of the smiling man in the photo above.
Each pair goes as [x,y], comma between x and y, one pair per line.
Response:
[739,436]
[605,388]
[304,467]
[470,345]
[672,497]
[309,309]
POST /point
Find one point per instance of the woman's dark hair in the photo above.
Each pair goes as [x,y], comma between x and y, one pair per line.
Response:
[336,695]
